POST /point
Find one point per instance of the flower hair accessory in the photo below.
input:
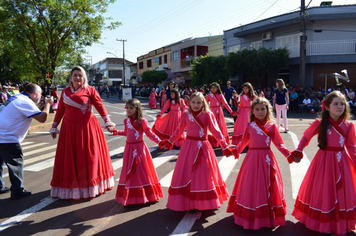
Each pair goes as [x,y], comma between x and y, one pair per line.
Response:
[322,105]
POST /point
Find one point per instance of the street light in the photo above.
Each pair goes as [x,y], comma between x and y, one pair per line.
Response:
[112,54]
[123,56]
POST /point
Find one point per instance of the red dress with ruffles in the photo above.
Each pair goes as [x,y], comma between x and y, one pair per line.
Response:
[215,102]
[257,199]
[242,119]
[82,166]
[138,182]
[197,182]
[326,200]
[165,125]
[152,103]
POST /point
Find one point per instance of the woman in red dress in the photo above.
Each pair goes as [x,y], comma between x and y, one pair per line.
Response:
[82,167]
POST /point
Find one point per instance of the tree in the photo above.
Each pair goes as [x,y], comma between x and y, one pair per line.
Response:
[47,34]
[154,76]
[256,64]
[208,69]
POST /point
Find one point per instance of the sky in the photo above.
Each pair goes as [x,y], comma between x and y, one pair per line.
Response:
[151,24]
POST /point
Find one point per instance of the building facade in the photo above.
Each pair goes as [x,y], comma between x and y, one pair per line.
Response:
[330,44]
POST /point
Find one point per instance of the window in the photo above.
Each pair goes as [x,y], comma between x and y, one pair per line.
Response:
[256,45]
[165,59]
[160,60]
[140,65]
[175,56]
[149,63]
[291,42]
[234,48]
[115,73]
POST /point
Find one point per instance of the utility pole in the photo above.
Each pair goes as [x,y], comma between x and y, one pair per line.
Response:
[123,57]
[302,44]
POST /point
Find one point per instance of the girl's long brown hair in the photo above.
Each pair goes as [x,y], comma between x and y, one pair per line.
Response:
[137,104]
[324,118]
[177,97]
[217,86]
[251,92]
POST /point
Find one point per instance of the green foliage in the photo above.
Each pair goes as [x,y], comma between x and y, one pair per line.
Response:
[256,63]
[208,69]
[43,35]
[154,76]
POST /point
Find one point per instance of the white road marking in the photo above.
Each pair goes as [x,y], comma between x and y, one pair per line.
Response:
[25,143]
[40,150]
[298,170]
[226,165]
[166,180]
[186,223]
[34,145]
[26,213]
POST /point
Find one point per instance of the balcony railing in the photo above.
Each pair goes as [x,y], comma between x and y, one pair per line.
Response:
[335,47]
[339,47]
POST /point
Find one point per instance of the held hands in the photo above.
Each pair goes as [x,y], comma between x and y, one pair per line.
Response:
[158,116]
[165,144]
[295,156]
[227,151]
[234,113]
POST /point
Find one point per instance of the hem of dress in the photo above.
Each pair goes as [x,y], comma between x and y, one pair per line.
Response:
[83,193]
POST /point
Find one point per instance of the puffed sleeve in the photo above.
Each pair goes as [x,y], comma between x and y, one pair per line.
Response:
[308,135]
[278,141]
[350,141]
[245,140]
[148,131]
[223,101]
[183,104]
[215,130]
[180,128]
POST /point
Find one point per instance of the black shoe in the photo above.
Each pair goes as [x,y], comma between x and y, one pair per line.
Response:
[22,194]
[4,190]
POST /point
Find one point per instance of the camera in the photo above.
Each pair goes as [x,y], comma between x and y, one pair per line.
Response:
[54,100]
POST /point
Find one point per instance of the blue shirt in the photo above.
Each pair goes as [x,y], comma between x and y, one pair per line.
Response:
[228,93]
[281,96]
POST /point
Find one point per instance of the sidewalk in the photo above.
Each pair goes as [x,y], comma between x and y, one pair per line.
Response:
[36,126]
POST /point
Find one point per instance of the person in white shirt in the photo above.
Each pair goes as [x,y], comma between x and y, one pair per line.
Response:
[306,103]
[16,115]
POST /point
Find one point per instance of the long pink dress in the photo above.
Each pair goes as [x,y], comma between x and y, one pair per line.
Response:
[162,98]
[242,119]
[82,166]
[138,182]
[215,106]
[326,199]
[152,103]
[257,199]
[197,182]
[166,125]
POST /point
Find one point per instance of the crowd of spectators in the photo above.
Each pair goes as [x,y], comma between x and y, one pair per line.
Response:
[301,100]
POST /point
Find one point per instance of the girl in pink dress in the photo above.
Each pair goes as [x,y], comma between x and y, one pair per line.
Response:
[248,95]
[82,166]
[257,199]
[197,183]
[326,200]
[215,100]
[152,102]
[138,182]
[165,126]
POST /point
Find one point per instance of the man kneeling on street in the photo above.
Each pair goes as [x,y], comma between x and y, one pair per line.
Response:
[16,115]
